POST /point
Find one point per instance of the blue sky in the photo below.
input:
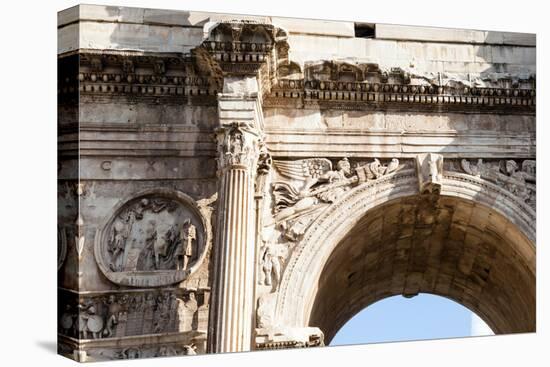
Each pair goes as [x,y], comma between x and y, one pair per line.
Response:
[422,317]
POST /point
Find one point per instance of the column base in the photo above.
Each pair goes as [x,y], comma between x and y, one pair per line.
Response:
[288,337]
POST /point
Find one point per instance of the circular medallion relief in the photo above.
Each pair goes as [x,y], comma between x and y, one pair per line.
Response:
[157,238]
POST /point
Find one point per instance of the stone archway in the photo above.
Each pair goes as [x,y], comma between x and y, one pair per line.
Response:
[474,243]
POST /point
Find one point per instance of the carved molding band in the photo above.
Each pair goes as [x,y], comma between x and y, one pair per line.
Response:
[157,238]
[199,77]
[283,338]
[365,86]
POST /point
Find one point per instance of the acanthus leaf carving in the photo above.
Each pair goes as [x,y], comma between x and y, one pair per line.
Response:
[238,145]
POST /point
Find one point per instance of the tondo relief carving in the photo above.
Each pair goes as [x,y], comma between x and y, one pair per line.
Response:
[157,238]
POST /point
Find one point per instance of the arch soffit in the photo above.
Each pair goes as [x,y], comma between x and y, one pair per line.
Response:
[298,286]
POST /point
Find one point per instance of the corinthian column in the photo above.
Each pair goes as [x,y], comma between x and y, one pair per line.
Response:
[234,251]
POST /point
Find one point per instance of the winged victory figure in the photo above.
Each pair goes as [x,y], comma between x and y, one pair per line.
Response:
[309,177]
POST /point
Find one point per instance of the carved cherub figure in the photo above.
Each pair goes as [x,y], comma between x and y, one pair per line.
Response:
[67,320]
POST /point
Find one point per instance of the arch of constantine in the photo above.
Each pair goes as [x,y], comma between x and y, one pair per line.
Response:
[233,183]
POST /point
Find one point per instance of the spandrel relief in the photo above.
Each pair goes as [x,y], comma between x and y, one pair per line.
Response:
[517,178]
[152,240]
[306,185]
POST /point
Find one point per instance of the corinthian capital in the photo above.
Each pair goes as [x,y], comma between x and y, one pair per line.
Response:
[238,146]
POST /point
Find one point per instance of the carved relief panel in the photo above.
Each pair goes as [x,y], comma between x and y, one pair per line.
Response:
[116,315]
[157,238]
[517,177]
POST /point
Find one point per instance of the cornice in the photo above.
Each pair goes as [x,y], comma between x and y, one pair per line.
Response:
[246,48]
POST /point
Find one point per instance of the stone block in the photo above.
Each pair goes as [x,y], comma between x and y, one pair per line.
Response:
[311,48]
[433,34]
[315,26]
[68,38]
[138,37]
[513,55]
[68,16]
[510,38]
[482,54]
[174,17]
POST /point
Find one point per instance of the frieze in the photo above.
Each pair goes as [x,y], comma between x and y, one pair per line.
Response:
[118,315]
[157,238]
[378,97]
[147,346]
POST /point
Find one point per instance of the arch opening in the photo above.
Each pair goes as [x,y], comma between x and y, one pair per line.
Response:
[453,247]
[423,317]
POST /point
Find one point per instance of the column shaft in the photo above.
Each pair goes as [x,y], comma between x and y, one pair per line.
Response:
[235,329]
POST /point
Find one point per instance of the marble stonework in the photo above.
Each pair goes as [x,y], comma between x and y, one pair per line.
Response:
[234,183]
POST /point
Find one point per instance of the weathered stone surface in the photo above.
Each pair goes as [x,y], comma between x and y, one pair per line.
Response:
[232,183]
[314,26]
[452,250]
[433,34]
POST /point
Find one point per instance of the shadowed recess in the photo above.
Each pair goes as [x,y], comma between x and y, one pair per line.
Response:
[453,248]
